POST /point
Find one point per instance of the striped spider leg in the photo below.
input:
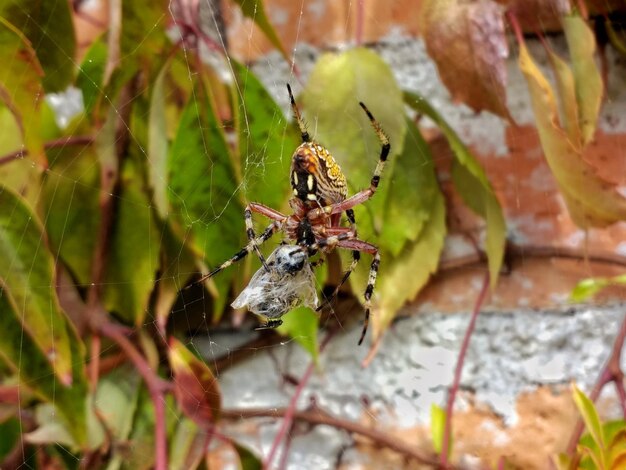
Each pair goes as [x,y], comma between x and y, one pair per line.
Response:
[253,242]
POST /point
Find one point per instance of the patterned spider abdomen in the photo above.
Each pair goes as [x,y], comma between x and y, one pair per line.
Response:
[316,176]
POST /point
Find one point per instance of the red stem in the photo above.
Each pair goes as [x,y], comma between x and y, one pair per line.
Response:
[94,365]
[156,386]
[457,372]
[62,142]
[611,372]
[291,408]
[516,27]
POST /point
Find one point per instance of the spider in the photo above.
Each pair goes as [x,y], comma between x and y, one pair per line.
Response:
[320,197]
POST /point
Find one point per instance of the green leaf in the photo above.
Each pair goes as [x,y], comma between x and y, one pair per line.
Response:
[90,77]
[116,398]
[411,197]
[27,274]
[134,250]
[10,430]
[35,373]
[403,276]
[195,387]
[302,324]
[140,456]
[202,191]
[70,206]
[247,459]
[592,201]
[255,10]
[588,288]
[20,87]
[331,99]
[187,445]
[473,186]
[437,427]
[158,144]
[590,417]
[266,142]
[589,86]
[49,28]
[143,40]
[562,462]
[177,266]
[19,175]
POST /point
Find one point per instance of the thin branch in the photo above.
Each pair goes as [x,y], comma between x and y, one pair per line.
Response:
[611,372]
[156,387]
[457,372]
[515,252]
[56,143]
[291,408]
[381,438]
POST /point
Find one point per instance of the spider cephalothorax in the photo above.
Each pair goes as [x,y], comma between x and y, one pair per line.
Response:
[320,191]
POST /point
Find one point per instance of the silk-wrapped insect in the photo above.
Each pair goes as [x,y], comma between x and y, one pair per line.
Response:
[287,282]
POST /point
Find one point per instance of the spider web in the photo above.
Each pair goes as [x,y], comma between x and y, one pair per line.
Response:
[383,392]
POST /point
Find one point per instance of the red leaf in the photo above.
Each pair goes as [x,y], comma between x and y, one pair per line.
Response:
[467,42]
[195,387]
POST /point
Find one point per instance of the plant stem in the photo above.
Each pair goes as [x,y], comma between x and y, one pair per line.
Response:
[458,370]
[156,387]
[57,143]
[611,372]
[381,438]
[291,408]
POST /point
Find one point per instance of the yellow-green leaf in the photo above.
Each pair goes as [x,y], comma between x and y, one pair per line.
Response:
[301,324]
[589,87]
[21,354]
[472,184]
[562,462]
[21,88]
[135,245]
[409,199]
[592,201]
[27,278]
[591,286]
[590,416]
[158,144]
[401,278]
[331,100]
[49,28]
[437,427]
[566,89]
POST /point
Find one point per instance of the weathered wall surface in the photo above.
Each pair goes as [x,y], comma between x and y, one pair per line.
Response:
[529,343]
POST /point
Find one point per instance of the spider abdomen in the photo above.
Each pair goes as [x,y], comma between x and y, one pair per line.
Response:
[316,176]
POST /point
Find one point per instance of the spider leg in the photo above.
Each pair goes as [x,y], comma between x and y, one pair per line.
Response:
[360,245]
[365,194]
[267,212]
[303,132]
[252,245]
